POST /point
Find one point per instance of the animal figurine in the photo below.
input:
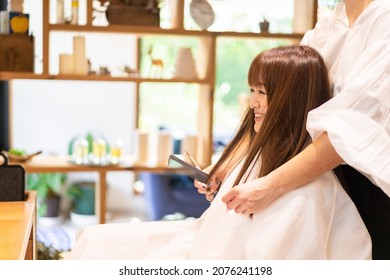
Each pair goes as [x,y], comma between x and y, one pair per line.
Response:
[156,66]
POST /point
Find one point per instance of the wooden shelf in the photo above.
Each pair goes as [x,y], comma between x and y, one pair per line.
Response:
[136,30]
[61,164]
[41,164]
[264,35]
[8,75]
[141,31]
[32,76]
[125,79]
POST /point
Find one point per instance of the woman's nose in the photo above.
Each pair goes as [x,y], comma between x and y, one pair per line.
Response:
[254,104]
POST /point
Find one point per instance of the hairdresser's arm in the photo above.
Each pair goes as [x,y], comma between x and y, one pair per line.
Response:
[318,158]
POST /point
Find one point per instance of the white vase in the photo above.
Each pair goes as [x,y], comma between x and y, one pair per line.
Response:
[185,65]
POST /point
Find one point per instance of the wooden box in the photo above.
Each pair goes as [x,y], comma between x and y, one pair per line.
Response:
[132,15]
[16,52]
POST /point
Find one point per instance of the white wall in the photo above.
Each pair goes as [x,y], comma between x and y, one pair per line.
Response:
[46,115]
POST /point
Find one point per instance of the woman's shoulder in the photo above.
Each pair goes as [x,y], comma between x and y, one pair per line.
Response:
[377,15]
[378,9]
[382,3]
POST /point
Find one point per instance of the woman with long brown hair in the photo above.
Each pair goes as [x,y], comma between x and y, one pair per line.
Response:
[293,82]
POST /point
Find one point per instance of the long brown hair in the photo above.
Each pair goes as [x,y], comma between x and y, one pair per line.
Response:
[296,81]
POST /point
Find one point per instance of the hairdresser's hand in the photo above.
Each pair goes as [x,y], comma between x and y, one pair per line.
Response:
[251,197]
[209,189]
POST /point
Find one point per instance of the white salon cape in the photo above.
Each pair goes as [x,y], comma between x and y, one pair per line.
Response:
[357,119]
[316,221]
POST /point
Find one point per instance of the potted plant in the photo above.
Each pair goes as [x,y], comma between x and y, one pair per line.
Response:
[264,25]
[82,198]
[48,188]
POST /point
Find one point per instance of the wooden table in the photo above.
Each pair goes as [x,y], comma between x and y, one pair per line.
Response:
[40,164]
[18,229]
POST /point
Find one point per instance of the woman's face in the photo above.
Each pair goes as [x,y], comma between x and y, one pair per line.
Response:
[258,102]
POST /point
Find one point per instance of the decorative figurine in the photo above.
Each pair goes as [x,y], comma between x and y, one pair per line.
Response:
[156,64]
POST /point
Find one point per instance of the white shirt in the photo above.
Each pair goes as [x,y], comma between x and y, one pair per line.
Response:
[357,119]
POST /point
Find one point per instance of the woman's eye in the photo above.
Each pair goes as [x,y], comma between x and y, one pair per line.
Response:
[257,91]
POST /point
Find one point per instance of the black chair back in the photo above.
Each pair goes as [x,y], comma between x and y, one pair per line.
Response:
[12,180]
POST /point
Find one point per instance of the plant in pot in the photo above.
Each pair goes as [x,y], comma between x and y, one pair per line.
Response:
[264,25]
[82,198]
[48,188]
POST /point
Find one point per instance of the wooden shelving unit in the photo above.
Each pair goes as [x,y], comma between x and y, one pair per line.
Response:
[206,60]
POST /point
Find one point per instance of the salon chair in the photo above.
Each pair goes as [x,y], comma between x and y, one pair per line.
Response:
[171,193]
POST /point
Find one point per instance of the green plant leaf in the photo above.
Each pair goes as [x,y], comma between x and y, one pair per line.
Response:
[45,184]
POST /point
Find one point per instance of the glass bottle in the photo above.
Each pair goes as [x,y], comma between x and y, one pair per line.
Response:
[116,151]
[80,151]
[99,148]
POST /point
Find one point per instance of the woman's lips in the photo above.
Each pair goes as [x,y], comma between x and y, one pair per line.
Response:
[259,116]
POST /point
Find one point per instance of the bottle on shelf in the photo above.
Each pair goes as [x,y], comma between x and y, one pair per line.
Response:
[60,12]
[75,12]
[99,151]
[80,151]
[116,151]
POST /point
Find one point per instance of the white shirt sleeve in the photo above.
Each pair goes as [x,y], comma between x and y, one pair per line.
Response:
[358,119]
